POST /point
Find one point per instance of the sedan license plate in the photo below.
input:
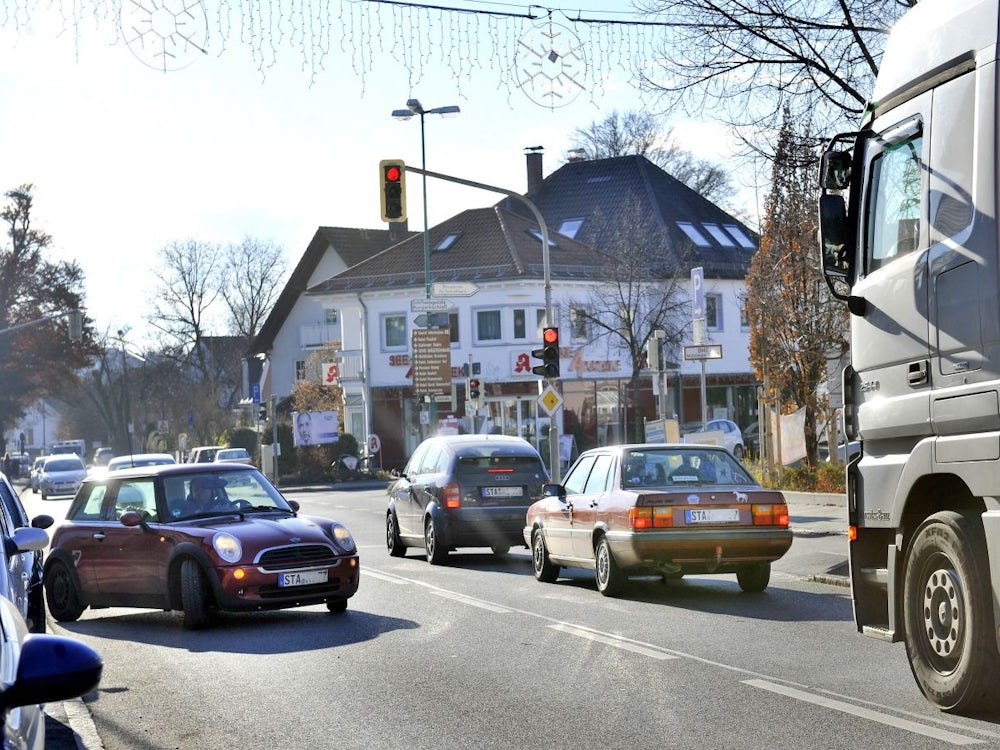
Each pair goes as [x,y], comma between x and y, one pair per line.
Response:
[503,492]
[712,515]
[304,578]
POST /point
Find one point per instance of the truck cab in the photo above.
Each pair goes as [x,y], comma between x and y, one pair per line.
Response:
[909,240]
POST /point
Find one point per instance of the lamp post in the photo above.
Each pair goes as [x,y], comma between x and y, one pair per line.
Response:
[413,107]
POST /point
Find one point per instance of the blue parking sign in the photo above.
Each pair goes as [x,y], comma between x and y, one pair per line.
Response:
[255,392]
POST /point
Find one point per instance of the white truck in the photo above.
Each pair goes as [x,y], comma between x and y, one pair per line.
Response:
[910,240]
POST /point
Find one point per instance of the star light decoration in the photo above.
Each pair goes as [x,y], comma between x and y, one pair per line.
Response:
[164,34]
[551,65]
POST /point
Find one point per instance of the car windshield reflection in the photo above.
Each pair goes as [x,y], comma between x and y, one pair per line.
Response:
[208,494]
[667,467]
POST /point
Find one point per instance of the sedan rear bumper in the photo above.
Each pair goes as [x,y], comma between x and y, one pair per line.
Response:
[699,546]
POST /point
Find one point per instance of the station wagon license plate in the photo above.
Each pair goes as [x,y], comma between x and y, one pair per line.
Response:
[304,578]
[503,492]
[712,515]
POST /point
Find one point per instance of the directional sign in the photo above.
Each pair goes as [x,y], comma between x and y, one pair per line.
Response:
[453,289]
[706,351]
[432,361]
[429,305]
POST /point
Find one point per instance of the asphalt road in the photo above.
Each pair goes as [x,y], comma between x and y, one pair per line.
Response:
[477,654]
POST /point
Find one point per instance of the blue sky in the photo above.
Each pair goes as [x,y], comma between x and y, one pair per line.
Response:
[126,158]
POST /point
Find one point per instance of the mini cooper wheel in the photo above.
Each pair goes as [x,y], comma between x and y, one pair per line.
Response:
[193,596]
[392,540]
[61,594]
[610,579]
[336,606]
[436,552]
[545,570]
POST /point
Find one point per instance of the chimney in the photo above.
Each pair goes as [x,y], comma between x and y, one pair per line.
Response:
[534,158]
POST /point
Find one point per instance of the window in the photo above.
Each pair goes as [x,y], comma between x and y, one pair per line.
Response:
[893,213]
[331,317]
[537,234]
[300,369]
[744,313]
[394,331]
[578,324]
[488,325]
[453,328]
[570,227]
[713,312]
[520,324]
[447,241]
[721,237]
[693,234]
[740,236]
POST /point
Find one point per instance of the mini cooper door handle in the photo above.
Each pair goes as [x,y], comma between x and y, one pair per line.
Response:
[99,536]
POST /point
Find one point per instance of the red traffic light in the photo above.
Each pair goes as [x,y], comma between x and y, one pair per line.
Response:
[550,336]
[549,354]
[393,173]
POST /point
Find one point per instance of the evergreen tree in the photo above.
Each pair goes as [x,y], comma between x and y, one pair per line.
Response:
[796,328]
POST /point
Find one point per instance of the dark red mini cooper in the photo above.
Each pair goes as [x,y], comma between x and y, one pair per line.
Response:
[200,538]
[668,510]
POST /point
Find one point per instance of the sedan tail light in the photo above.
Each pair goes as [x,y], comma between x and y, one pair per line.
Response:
[452,496]
[650,517]
[770,515]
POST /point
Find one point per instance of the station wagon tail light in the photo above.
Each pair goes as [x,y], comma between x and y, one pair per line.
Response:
[500,471]
[770,515]
[452,496]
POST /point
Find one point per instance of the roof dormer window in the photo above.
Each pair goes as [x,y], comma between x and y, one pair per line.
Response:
[740,236]
[721,237]
[570,227]
[447,241]
[693,234]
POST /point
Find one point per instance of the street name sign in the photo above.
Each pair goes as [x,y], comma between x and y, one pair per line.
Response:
[429,305]
[453,289]
[703,351]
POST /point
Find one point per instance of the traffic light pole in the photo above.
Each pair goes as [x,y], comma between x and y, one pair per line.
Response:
[554,468]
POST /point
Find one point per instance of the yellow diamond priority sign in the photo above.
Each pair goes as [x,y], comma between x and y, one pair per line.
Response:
[550,400]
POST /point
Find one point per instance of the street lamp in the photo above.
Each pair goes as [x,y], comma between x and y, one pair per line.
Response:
[413,107]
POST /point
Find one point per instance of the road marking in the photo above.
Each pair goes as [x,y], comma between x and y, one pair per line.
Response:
[472,601]
[865,713]
[398,580]
[612,640]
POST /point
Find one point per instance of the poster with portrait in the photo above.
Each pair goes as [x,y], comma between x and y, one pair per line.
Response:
[315,427]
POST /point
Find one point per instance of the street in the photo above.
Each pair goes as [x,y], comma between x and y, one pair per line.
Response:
[477,654]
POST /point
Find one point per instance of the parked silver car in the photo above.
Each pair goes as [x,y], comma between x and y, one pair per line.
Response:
[21,578]
[61,474]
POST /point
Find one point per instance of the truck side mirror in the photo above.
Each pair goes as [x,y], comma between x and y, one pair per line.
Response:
[835,170]
[833,231]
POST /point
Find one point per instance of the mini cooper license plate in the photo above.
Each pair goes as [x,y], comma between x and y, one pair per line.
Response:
[304,578]
[712,515]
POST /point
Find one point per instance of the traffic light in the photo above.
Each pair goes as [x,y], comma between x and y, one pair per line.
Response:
[549,354]
[653,354]
[475,390]
[262,412]
[392,176]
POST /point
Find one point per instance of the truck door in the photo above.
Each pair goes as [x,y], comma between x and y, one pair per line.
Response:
[889,342]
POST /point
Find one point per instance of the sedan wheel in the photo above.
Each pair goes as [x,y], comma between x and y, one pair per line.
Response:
[610,579]
[60,591]
[196,613]
[545,570]
[754,578]
[436,553]
[392,541]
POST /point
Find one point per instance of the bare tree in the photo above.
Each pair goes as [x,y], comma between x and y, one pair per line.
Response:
[640,134]
[254,271]
[745,60]
[795,325]
[643,289]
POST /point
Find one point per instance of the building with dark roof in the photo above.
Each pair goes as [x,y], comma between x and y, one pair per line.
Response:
[487,270]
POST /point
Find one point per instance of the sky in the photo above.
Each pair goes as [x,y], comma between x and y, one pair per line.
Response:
[277,127]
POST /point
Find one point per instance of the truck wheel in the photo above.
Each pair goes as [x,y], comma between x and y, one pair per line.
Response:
[948,614]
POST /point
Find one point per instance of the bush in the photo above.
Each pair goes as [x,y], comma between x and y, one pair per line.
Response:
[826,477]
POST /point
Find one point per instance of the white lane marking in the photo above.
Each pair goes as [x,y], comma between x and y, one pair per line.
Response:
[398,580]
[613,640]
[865,713]
[472,601]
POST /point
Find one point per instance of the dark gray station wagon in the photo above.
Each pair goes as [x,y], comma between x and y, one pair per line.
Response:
[463,491]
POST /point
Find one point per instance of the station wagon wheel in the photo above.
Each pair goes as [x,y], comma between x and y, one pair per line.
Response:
[545,570]
[610,579]
[436,554]
[196,613]
[392,540]
[60,591]
[754,578]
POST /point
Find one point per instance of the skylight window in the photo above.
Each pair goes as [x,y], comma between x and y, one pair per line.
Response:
[740,236]
[693,234]
[447,241]
[537,234]
[570,227]
[721,237]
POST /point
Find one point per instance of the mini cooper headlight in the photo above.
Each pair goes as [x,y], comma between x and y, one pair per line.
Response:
[227,547]
[343,537]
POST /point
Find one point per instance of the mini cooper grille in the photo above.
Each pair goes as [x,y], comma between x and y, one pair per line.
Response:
[297,556]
